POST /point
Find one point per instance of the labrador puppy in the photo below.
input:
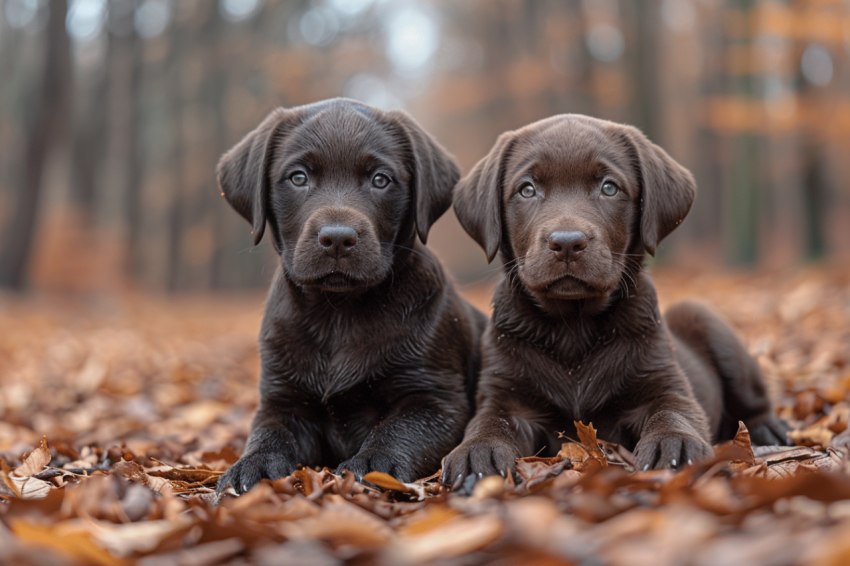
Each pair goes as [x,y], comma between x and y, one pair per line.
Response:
[367,351]
[573,203]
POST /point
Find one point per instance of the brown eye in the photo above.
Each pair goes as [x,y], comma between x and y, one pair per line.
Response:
[380,181]
[609,189]
[299,179]
[527,190]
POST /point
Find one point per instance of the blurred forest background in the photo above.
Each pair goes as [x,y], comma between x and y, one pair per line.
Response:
[113,114]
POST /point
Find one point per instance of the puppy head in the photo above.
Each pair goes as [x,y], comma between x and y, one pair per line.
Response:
[574,201]
[344,188]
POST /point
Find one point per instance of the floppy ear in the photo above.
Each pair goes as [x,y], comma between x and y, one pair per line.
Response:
[667,191]
[433,172]
[478,198]
[243,172]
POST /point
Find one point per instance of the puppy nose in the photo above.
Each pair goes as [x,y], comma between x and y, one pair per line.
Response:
[337,240]
[567,245]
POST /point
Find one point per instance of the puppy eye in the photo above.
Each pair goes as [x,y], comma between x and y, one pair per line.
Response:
[299,179]
[609,189]
[380,181]
[527,190]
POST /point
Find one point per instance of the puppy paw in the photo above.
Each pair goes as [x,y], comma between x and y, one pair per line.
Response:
[251,468]
[771,431]
[367,461]
[478,457]
[669,450]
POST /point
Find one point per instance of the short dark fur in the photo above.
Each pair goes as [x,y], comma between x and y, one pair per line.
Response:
[576,331]
[366,348]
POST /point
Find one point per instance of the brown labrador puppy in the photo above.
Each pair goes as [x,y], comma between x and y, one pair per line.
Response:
[573,203]
[367,351]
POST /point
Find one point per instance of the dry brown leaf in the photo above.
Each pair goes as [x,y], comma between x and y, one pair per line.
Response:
[31,488]
[818,434]
[574,451]
[178,396]
[455,537]
[215,460]
[430,518]
[24,487]
[742,451]
[188,474]
[131,538]
[839,417]
[535,467]
[341,522]
[67,539]
[35,461]
[210,553]
[158,484]
[587,436]
[6,475]
[792,453]
[385,481]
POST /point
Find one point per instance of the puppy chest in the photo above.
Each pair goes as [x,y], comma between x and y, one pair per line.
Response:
[578,389]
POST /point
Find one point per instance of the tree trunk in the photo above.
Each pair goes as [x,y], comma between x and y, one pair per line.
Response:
[47,127]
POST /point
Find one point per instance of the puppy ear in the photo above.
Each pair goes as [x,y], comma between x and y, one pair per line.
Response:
[478,198]
[243,172]
[667,191]
[433,172]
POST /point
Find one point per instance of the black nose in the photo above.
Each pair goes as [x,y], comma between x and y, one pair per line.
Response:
[567,245]
[337,240]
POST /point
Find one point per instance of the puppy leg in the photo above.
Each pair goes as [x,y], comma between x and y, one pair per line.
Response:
[674,433]
[410,441]
[745,396]
[493,441]
[278,442]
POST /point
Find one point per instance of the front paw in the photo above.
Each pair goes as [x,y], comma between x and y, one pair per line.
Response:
[771,431]
[478,457]
[669,450]
[368,460]
[251,468]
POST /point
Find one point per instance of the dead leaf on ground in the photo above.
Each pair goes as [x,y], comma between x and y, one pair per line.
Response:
[147,409]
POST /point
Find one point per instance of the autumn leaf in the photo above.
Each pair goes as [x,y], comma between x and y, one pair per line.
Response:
[385,481]
[574,451]
[35,461]
[816,434]
[25,487]
[587,437]
[142,446]
[740,450]
[70,540]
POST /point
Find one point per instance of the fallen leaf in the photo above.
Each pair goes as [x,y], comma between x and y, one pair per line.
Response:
[385,481]
[455,537]
[574,451]
[68,539]
[35,461]
[587,436]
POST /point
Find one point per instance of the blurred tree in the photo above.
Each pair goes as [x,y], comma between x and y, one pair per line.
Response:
[45,128]
[743,198]
[174,83]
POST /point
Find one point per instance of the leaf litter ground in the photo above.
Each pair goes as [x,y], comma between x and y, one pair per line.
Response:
[117,416]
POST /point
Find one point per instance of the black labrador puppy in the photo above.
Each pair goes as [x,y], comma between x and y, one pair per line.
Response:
[573,203]
[367,351]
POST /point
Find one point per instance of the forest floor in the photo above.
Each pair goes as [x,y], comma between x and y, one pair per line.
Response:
[118,414]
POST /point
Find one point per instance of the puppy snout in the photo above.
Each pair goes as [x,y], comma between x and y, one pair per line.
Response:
[336,240]
[567,245]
